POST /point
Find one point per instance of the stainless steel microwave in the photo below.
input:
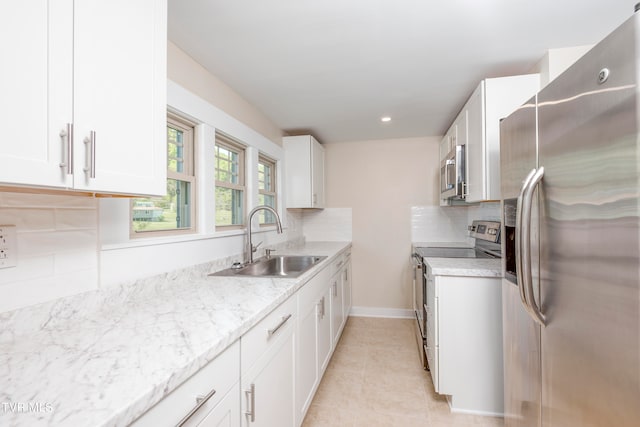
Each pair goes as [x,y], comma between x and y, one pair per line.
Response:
[452,176]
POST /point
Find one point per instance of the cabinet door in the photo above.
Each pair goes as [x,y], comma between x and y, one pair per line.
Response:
[346,289]
[317,170]
[226,413]
[36,40]
[120,95]
[268,386]
[307,378]
[475,161]
[324,332]
[337,307]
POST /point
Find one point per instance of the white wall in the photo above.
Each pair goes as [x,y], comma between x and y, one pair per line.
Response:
[556,61]
[380,181]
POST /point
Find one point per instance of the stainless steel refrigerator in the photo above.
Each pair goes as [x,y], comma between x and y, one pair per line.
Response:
[570,176]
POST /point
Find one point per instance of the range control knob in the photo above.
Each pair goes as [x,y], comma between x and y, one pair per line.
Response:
[492,231]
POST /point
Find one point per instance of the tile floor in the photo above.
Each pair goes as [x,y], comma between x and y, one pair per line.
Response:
[375,379]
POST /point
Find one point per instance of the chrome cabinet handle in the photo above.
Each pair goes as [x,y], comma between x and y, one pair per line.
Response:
[315,199]
[200,400]
[90,161]
[251,413]
[335,289]
[519,275]
[527,201]
[322,308]
[273,330]
[67,149]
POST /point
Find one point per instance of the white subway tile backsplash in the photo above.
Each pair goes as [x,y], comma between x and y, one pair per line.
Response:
[439,224]
[30,292]
[328,225]
[73,219]
[46,201]
[35,243]
[28,219]
[70,261]
[28,268]
[57,247]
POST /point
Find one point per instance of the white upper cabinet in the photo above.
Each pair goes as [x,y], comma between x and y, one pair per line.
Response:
[85,104]
[36,40]
[493,100]
[304,172]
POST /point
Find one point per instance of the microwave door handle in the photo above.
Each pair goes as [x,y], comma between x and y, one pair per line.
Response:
[448,164]
[518,237]
[527,202]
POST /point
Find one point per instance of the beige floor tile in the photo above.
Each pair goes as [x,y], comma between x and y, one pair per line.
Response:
[378,419]
[320,416]
[375,379]
[349,357]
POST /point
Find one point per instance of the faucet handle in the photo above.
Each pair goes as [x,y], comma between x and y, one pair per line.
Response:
[268,252]
[254,248]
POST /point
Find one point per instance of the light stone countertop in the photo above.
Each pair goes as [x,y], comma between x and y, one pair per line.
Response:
[103,358]
[468,267]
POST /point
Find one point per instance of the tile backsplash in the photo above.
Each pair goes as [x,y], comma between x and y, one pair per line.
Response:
[449,224]
[328,225]
[57,247]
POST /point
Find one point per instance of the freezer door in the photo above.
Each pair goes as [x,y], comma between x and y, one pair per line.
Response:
[517,148]
[521,335]
[521,344]
[590,281]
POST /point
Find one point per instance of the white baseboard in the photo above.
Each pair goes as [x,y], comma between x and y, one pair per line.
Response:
[400,313]
[473,412]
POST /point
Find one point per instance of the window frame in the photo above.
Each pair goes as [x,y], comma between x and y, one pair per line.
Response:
[188,175]
[224,140]
[272,164]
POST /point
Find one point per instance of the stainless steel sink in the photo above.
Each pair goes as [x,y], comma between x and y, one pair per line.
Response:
[274,266]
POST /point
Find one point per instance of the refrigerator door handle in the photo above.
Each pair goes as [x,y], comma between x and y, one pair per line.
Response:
[525,242]
[518,243]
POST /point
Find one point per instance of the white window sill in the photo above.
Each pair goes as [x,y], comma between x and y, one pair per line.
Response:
[154,241]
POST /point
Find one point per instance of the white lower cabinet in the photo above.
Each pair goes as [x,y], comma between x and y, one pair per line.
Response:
[464,341]
[267,366]
[337,306]
[314,340]
[346,286]
[267,378]
[217,382]
[226,413]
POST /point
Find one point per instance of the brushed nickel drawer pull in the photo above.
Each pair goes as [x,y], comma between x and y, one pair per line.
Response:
[272,331]
[200,400]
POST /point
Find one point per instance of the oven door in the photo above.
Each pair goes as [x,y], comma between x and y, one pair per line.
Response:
[452,175]
[418,307]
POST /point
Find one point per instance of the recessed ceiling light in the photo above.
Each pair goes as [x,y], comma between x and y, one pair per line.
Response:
[385,119]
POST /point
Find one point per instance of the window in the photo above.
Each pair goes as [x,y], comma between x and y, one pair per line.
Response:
[173,213]
[266,188]
[230,188]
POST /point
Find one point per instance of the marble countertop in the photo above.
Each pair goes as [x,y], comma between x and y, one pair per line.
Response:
[468,267]
[103,358]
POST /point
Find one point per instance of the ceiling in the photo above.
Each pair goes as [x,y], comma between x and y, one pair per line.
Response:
[335,67]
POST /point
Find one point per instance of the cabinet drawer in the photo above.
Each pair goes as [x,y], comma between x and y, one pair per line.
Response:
[219,375]
[312,291]
[255,342]
[337,264]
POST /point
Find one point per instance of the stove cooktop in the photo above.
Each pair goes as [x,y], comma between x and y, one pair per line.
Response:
[452,252]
